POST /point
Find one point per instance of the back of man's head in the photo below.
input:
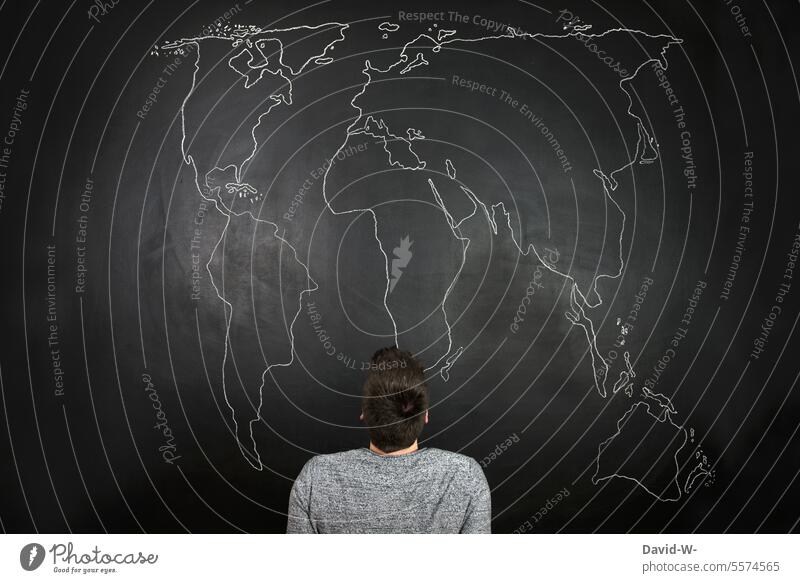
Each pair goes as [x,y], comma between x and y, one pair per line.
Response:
[395,399]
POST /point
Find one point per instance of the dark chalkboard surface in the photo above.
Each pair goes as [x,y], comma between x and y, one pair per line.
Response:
[584,221]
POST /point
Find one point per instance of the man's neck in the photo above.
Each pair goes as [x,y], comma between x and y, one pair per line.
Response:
[411,448]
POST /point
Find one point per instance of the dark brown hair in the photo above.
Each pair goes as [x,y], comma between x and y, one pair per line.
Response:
[395,399]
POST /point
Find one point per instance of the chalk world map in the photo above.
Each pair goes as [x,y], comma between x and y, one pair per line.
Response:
[264,72]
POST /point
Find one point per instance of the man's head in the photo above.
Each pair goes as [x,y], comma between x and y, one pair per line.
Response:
[395,401]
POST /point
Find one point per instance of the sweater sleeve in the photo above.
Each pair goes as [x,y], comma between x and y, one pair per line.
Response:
[299,515]
[478,517]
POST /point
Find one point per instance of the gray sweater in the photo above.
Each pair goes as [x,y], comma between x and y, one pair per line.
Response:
[359,491]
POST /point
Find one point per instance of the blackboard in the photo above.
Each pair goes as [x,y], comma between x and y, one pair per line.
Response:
[583,220]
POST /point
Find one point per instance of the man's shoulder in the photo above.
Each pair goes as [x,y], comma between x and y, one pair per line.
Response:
[337,458]
[462,464]
[451,457]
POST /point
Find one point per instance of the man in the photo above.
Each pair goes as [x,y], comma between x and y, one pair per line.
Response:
[394,486]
